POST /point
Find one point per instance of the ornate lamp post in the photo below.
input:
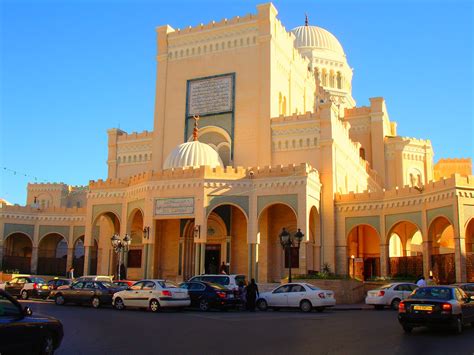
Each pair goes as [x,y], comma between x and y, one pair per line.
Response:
[120,246]
[288,241]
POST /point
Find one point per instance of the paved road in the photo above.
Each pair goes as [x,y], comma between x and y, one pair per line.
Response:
[107,331]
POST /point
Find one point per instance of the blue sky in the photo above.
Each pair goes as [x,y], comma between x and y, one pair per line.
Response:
[69,70]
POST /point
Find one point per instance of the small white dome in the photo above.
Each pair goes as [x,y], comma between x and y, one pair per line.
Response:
[317,38]
[193,153]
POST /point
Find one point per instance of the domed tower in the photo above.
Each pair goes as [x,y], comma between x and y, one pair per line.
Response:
[329,62]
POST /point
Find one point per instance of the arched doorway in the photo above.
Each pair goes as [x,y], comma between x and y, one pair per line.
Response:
[443,266]
[272,261]
[226,240]
[134,259]
[93,259]
[104,227]
[470,250]
[78,257]
[405,250]
[363,251]
[17,249]
[52,255]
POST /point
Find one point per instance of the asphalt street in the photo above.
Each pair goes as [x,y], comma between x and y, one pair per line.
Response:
[108,331]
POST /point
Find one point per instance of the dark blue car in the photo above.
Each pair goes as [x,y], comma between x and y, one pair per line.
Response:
[206,295]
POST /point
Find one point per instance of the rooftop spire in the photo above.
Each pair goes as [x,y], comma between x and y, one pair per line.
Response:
[196,129]
[306,22]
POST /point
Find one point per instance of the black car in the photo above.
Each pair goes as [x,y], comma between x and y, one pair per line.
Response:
[27,286]
[206,295]
[23,333]
[95,293]
[57,282]
[436,306]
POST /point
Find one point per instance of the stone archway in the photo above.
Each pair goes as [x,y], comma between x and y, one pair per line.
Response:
[405,250]
[313,246]
[134,259]
[52,255]
[227,239]
[17,248]
[272,263]
[363,251]
[470,250]
[441,235]
[104,227]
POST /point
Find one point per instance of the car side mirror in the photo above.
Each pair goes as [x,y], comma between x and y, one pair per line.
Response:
[27,311]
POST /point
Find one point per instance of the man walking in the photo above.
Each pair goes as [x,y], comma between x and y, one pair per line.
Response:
[251,294]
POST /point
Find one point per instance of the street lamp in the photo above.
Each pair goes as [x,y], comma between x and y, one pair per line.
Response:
[288,241]
[353,266]
[120,246]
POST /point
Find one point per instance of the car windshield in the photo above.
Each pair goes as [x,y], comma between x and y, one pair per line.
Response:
[312,287]
[167,284]
[38,280]
[432,293]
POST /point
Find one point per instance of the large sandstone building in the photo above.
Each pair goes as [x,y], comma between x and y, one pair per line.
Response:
[281,143]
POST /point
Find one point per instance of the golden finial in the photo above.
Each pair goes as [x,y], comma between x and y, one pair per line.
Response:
[196,129]
[306,22]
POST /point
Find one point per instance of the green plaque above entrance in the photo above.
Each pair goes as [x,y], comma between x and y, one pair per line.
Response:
[174,206]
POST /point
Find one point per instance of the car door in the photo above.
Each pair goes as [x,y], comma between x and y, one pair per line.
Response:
[467,305]
[73,293]
[131,297]
[296,294]
[398,291]
[17,336]
[146,293]
[196,290]
[88,291]
[12,287]
[279,296]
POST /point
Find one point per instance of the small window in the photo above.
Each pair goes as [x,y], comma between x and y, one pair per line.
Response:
[196,287]
[137,285]
[282,289]
[77,285]
[297,288]
[149,285]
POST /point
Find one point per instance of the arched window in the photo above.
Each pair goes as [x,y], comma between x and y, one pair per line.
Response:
[325,77]
[283,108]
[339,80]
[331,79]
[280,102]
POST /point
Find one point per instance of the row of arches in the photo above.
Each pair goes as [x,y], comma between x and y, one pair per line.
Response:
[405,250]
[135,158]
[330,78]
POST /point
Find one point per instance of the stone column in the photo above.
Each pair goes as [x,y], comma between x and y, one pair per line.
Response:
[34,260]
[427,247]
[460,259]
[87,259]
[70,257]
[199,258]
[252,261]
[384,260]
[228,252]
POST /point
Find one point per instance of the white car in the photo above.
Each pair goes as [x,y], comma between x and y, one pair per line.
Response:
[152,294]
[298,295]
[390,295]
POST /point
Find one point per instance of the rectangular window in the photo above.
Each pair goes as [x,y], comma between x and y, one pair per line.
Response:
[295,260]
[135,258]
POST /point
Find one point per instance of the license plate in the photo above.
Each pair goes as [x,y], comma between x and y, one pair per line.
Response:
[422,308]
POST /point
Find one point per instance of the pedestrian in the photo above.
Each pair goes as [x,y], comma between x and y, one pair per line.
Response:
[421,282]
[242,295]
[223,269]
[252,294]
[70,273]
[431,281]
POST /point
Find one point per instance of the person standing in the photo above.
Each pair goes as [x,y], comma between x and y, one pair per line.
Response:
[252,294]
[223,269]
[421,282]
[70,273]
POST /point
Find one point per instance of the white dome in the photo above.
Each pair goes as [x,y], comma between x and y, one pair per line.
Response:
[317,38]
[193,154]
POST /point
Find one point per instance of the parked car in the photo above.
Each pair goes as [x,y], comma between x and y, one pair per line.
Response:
[23,333]
[105,278]
[26,287]
[466,287]
[296,295]
[230,282]
[206,295]
[57,282]
[123,284]
[390,295]
[435,306]
[95,293]
[152,294]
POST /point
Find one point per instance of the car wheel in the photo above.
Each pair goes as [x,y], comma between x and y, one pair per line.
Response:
[407,329]
[95,302]
[204,305]
[395,303]
[458,327]
[154,306]
[306,306]
[24,295]
[320,309]
[262,305]
[59,300]
[47,345]
[118,304]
